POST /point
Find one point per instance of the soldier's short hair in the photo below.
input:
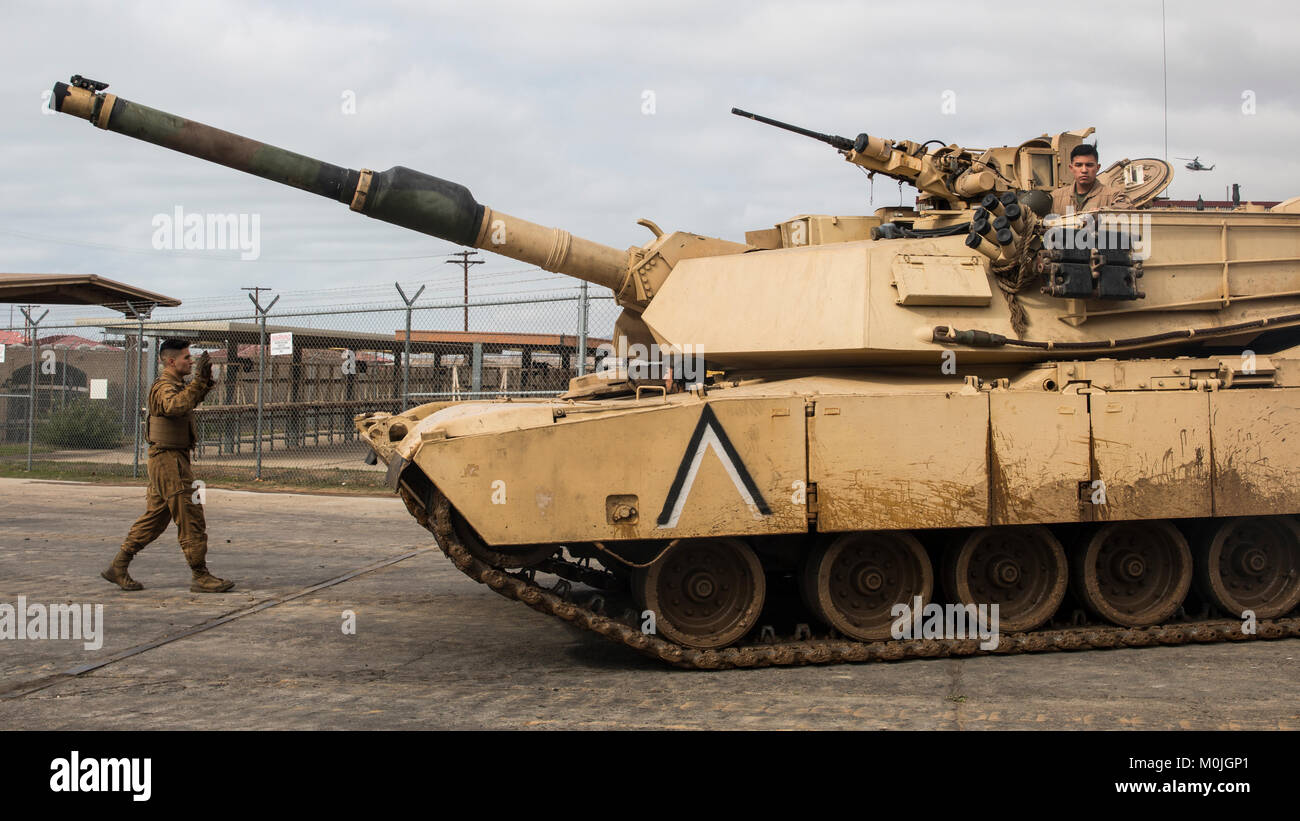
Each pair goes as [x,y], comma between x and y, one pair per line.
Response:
[172,345]
[1084,150]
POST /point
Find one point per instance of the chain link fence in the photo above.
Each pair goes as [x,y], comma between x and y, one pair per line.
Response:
[288,382]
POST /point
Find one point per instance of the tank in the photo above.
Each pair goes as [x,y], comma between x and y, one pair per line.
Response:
[969,426]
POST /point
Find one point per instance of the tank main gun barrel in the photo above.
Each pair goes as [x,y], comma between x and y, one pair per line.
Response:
[401,196]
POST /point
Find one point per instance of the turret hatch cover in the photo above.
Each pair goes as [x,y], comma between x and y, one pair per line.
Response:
[1142,180]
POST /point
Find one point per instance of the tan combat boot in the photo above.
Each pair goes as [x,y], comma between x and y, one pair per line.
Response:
[116,572]
[204,582]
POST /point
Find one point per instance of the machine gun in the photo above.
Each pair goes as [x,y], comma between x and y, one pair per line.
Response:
[951,177]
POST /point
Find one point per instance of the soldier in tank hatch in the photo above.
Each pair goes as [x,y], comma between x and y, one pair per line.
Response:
[1086,193]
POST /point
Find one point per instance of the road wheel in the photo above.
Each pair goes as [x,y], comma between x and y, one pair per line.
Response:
[1133,573]
[704,593]
[853,582]
[1020,569]
[1251,564]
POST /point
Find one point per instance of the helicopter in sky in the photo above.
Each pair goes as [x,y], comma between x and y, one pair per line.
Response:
[1194,164]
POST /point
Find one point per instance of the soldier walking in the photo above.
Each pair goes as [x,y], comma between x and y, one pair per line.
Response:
[172,434]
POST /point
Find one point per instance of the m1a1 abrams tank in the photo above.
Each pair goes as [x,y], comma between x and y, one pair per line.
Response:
[1090,421]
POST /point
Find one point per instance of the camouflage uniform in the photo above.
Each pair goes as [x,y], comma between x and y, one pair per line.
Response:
[1065,201]
[171,434]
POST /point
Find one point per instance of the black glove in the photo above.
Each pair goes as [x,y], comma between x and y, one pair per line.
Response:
[204,367]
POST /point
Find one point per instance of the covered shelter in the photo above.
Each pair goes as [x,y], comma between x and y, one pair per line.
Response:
[81,289]
[70,289]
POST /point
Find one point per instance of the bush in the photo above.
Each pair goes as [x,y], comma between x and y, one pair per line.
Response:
[81,424]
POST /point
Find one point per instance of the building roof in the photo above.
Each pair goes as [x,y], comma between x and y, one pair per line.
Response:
[498,340]
[311,356]
[73,341]
[79,289]
[1216,205]
[215,333]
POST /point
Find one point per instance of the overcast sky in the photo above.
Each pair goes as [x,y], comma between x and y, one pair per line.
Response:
[541,112]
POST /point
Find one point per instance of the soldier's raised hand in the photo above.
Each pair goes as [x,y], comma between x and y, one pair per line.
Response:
[204,367]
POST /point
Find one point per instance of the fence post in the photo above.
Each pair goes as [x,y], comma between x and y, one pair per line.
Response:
[261,369]
[476,375]
[261,379]
[583,302]
[31,381]
[230,374]
[406,345]
[126,376]
[139,376]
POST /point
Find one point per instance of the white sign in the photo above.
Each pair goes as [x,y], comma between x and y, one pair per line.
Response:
[2,353]
[281,344]
[99,389]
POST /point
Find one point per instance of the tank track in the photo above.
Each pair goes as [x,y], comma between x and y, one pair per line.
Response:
[775,652]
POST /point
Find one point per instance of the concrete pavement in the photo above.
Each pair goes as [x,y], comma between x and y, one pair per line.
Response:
[432,649]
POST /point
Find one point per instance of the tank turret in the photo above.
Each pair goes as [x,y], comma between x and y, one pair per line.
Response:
[974,269]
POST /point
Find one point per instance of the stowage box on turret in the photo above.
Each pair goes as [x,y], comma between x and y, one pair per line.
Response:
[968,426]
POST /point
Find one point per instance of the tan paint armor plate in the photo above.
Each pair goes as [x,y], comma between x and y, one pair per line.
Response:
[1152,449]
[696,469]
[900,461]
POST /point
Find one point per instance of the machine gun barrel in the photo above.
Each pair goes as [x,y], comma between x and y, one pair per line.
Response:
[841,143]
[401,196]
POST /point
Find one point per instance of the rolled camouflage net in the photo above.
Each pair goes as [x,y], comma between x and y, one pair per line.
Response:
[1016,274]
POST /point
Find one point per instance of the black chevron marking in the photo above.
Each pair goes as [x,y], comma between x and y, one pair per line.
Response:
[709,420]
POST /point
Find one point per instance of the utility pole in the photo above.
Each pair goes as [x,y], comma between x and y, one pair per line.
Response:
[465,262]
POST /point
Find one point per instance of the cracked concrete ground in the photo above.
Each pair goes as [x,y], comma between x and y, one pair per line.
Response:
[432,649]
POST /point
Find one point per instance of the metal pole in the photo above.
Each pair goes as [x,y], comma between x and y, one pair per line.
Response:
[1164,69]
[126,374]
[406,345]
[139,374]
[476,375]
[261,382]
[261,367]
[31,399]
[583,302]
[31,381]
